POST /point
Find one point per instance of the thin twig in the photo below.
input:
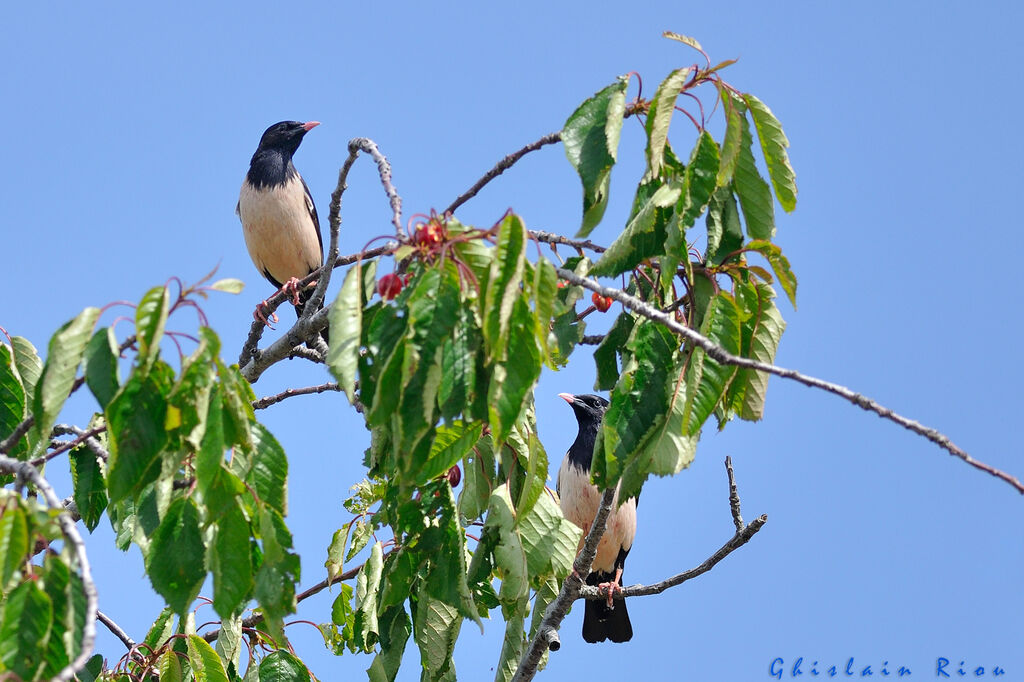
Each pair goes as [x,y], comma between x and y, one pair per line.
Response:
[74,539]
[501,167]
[90,442]
[71,444]
[115,629]
[20,430]
[552,238]
[734,496]
[269,400]
[724,357]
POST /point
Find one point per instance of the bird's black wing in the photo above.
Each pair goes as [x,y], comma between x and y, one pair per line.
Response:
[312,214]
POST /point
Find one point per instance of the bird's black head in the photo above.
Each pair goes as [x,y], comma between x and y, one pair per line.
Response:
[285,136]
[589,408]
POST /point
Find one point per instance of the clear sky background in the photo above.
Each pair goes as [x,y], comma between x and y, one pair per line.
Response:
[127,130]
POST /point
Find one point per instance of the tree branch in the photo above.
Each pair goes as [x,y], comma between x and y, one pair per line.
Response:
[501,167]
[115,629]
[20,430]
[724,357]
[71,536]
[269,400]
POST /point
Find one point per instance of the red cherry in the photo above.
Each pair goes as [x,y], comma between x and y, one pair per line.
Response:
[454,475]
[389,286]
[602,303]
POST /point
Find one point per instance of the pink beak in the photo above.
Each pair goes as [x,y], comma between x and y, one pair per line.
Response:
[309,125]
[567,397]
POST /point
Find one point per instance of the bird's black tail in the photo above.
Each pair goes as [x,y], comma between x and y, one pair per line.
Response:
[599,621]
[304,297]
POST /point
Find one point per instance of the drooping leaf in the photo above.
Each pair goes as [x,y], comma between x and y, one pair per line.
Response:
[90,490]
[701,174]
[13,542]
[503,285]
[283,666]
[394,630]
[773,146]
[725,233]
[64,354]
[754,193]
[367,629]
[660,115]
[762,331]
[269,474]
[12,400]
[514,644]
[231,562]
[512,381]
[606,351]
[435,628]
[780,265]
[28,363]
[24,628]
[101,365]
[176,563]
[706,379]
[346,322]
[135,418]
[591,140]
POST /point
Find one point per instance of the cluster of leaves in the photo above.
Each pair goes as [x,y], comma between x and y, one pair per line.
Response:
[182,470]
[441,357]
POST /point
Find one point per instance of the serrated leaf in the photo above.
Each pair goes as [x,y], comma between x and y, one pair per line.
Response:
[101,357]
[135,418]
[162,628]
[731,143]
[13,542]
[754,193]
[277,576]
[63,356]
[150,318]
[686,40]
[176,562]
[395,630]
[643,236]
[762,332]
[24,627]
[269,473]
[706,380]
[780,265]
[228,285]
[283,666]
[513,645]
[435,628]
[725,233]
[639,401]
[512,381]
[12,400]
[27,361]
[206,664]
[361,532]
[591,140]
[773,146]
[503,285]
[366,627]
[231,562]
[90,490]
[548,539]
[700,179]
[168,667]
[451,443]
[346,324]
[606,351]
[229,641]
[660,115]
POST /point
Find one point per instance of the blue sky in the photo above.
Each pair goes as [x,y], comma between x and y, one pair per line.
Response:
[127,132]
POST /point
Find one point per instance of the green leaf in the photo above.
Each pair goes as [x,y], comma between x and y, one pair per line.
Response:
[56,579]
[228,285]
[536,469]
[512,381]
[591,140]
[436,626]
[62,359]
[514,643]
[231,562]
[548,539]
[162,628]
[176,563]
[734,121]
[503,285]
[283,666]
[725,233]
[346,324]
[277,576]
[700,179]
[24,629]
[660,115]
[150,318]
[269,474]
[706,380]
[13,542]
[367,628]
[773,146]
[90,489]
[204,660]
[762,331]
[686,40]
[639,401]
[169,668]
[545,292]
[754,193]
[644,235]
[26,359]
[780,265]
[135,416]
[395,631]
[101,365]
[478,476]
[361,533]
[451,444]
[229,641]
[12,400]
[605,353]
